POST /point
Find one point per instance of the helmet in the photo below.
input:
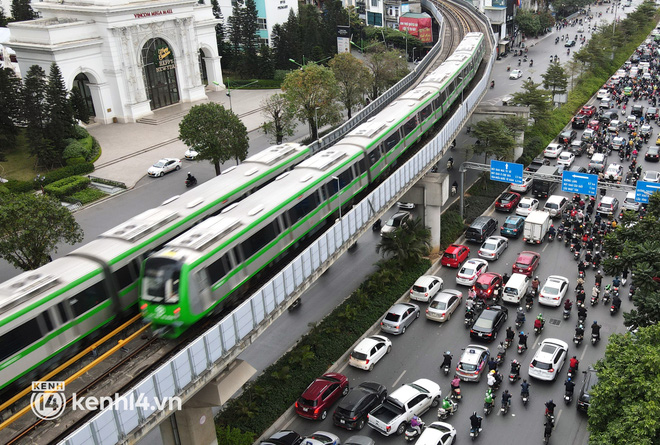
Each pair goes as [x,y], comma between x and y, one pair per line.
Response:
[522,333]
[474,413]
[536,277]
[520,309]
[188,172]
[595,322]
[550,401]
[515,362]
[492,372]
[540,315]
[568,379]
[447,353]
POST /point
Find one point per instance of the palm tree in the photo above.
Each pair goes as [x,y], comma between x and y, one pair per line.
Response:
[407,244]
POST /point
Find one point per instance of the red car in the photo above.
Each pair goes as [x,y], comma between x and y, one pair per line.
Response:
[526,263]
[588,110]
[319,396]
[594,125]
[507,201]
[454,255]
[486,284]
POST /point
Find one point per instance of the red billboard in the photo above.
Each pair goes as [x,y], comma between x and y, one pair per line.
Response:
[426,35]
[413,25]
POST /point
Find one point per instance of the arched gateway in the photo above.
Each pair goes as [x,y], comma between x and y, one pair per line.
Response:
[159,71]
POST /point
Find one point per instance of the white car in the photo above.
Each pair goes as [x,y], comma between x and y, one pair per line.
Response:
[444,304]
[321,438]
[549,359]
[606,102]
[493,247]
[437,433]
[552,150]
[553,290]
[470,271]
[426,287]
[602,94]
[522,188]
[566,159]
[369,351]
[190,154]
[405,205]
[527,206]
[515,74]
[614,172]
[163,166]
[651,176]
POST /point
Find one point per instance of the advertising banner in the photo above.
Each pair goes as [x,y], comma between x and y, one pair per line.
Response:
[343,39]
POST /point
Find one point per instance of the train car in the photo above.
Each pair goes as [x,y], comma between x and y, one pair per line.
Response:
[73,296]
[194,274]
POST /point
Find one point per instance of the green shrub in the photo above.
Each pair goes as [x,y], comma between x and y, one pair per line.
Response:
[79,132]
[75,161]
[15,186]
[85,196]
[67,186]
[95,152]
[75,149]
[233,436]
[280,75]
[70,170]
[452,228]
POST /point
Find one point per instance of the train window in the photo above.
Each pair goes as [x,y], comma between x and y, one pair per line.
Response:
[374,155]
[409,126]
[123,277]
[62,312]
[443,95]
[345,177]
[257,241]
[437,102]
[391,141]
[19,338]
[219,268]
[426,112]
[361,166]
[87,299]
[300,210]
[47,323]
[332,188]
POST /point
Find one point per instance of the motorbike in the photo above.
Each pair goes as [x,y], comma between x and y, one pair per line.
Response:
[191,182]
[613,310]
[528,305]
[514,375]
[507,343]
[615,291]
[594,339]
[568,396]
[467,321]
[631,292]
[567,314]
[500,358]
[576,254]
[519,323]
[581,274]
[551,237]
[505,407]
[525,397]
[521,349]
[492,84]
[606,297]
[376,226]
[488,407]
[594,300]
[456,394]
[474,433]
[450,164]
[446,369]
[412,434]
[444,413]
[577,339]
[571,371]
[538,330]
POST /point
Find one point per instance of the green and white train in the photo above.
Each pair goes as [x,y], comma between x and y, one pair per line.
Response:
[195,273]
[47,311]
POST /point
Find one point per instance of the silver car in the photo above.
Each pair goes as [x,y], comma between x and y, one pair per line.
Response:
[608,205]
[493,247]
[399,317]
[598,162]
[444,304]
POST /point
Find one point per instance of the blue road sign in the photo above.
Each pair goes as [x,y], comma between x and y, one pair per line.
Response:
[644,190]
[506,172]
[583,183]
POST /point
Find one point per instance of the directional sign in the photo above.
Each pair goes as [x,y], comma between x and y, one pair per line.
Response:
[644,190]
[582,183]
[506,172]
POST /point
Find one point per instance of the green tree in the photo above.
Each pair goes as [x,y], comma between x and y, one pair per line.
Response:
[310,33]
[60,121]
[224,48]
[235,34]
[3,18]
[528,22]
[628,380]
[495,139]
[312,92]
[216,133]
[281,116]
[387,68]
[536,98]
[407,244]
[353,78]
[333,15]
[555,79]
[287,43]
[10,87]
[249,38]
[565,8]
[31,227]
[266,66]
[79,105]
[21,10]
[33,107]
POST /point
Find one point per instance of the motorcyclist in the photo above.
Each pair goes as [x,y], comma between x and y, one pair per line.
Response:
[416,424]
[447,405]
[446,359]
[535,285]
[595,329]
[573,363]
[520,315]
[505,278]
[510,333]
[450,163]
[506,397]
[616,282]
[547,432]
[550,407]
[581,267]
[522,339]
[515,367]
[190,178]
[492,84]
[455,383]
[454,187]
[598,278]
[491,380]
[568,304]
[579,331]
[524,388]
[475,421]
[492,364]
[529,298]
[501,350]
[616,302]
[551,230]
[539,322]
[580,284]
[570,386]
[582,312]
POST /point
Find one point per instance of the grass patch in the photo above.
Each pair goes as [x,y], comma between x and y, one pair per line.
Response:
[85,196]
[19,164]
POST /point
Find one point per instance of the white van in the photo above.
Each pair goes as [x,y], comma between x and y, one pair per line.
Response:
[516,288]
[555,205]
[629,203]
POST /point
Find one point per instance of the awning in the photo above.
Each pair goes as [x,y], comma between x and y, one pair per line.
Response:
[504,42]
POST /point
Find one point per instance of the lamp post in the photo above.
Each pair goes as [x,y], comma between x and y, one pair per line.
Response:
[414,48]
[229,90]
[316,121]
[338,193]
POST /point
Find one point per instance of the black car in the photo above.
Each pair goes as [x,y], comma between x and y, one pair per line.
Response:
[537,163]
[637,110]
[578,147]
[489,322]
[608,117]
[652,154]
[577,169]
[285,437]
[579,121]
[352,411]
[590,379]
[566,137]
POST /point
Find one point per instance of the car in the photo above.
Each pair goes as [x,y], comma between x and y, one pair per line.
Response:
[615,125]
[164,166]
[472,363]
[396,221]
[578,147]
[549,359]
[454,255]
[553,291]
[645,130]
[470,271]
[629,202]
[190,154]
[321,438]
[588,110]
[637,110]
[515,74]
[608,116]
[618,143]
[631,119]
[425,288]
[652,154]
[513,226]
[285,437]
[488,323]
[522,188]
[565,158]
[614,173]
[598,162]
[320,395]
[627,91]
[579,121]
[444,304]
[594,124]
[359,440]
[651,113]
[399,317]
[602,93]
[405,205]
[577,169]
[651,176]
[486,284]
[590,380]
[606,103]
[369,351]
[608,205]
[569,43]
[437,433]
[493,247]
[526,263]
[588,135]
[526,206]
[507,201]
[537,163]
[352,411]
[567,136]
[552,150]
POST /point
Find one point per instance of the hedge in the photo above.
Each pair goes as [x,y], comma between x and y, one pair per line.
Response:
[69,170]
[67,186]
[85,196]
[15,186]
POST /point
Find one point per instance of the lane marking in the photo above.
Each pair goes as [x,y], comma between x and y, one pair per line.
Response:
[584,351]
[399,378]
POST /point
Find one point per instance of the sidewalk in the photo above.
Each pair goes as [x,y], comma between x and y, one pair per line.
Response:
[129,149]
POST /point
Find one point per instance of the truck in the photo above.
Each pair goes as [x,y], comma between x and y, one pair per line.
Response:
[397,410]
[542,184]
[536,227]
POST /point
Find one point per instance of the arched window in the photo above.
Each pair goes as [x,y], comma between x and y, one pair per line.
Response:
[159,70]
[82,82]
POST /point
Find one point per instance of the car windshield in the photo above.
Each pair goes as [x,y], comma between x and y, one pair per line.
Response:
[439,427]
[307,402]
[392,317]
[467,271]
[482,286]
[550,290]
[440,305]
[523,205]
[551,205]
[541,365]
[159,164]
[484,323]
[489,246]
[394,222]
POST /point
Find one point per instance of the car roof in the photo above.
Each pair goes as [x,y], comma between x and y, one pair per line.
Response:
[514,217]
[607,199]
[527,254]
[556,279]
[432,436]
[400,308]
[556,342]
[367,343]
[446,294]
[487,277]
[475,260]
[425,279]
[472,353]
[453,247]
[359,440]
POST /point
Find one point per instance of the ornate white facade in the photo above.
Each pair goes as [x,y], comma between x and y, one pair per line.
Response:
[130,57]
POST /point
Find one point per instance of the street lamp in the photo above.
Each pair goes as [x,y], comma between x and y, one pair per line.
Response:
[303,62]
[316,121]
[338,193]
[229,90]
[414,48]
